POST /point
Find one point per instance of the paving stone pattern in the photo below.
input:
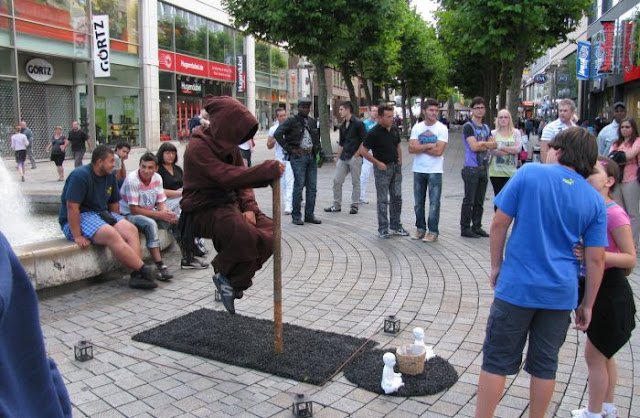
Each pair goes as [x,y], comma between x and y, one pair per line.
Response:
[337,277]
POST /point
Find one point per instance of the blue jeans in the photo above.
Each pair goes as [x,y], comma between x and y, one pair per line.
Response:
[389,187]
[422,181]
[305,173]
[149,228]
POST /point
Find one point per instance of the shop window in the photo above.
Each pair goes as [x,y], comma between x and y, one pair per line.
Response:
[239,43]
[165,80]
[166,15]
[123,22]
[122,75]
[6,29]
[57,13]
[220,43]
[168,123]
[117,115]
[190,34]
[262,57]
[7,61]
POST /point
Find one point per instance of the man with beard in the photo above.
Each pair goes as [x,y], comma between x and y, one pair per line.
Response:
[218,200]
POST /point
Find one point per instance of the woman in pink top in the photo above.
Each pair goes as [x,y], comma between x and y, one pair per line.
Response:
[612,318]
[628,195]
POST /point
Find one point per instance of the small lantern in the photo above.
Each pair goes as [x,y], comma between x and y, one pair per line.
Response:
[302,405]
[216,296]
[391,325]
[83,351]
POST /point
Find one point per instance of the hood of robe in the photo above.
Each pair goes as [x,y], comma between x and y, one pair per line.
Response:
[231,124]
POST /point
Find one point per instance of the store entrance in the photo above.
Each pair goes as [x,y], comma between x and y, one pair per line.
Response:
[43,107]
[188,107]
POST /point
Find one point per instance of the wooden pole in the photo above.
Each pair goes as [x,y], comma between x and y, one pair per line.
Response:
[277,268]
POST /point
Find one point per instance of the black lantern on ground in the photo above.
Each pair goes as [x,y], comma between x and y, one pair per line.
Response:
[216,296]
[302,406]
[83,350]
[391,325]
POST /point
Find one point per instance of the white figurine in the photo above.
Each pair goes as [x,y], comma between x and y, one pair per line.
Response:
[391,381]
[418,335]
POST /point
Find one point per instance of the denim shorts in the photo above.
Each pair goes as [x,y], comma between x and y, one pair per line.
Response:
[90,222]
[507,329]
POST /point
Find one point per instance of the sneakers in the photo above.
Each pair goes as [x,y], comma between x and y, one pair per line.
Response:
[297,221]
[468,233]
[418,234]
[363,202]
[143,279]
[430,237]
[384,234]
[481,232]
[193,264]
[401,232]
[332,208]
[163,273]
[353,210]
[313,220]
[287,212]
[227,292]
[582,413]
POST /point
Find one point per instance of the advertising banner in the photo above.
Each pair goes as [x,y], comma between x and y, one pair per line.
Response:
[583,63]
[101,50]
[606,52]
[241,73]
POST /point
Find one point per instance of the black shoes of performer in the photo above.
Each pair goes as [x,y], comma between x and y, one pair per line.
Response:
[313,220]
[480,232]
[227,293]
[143,279]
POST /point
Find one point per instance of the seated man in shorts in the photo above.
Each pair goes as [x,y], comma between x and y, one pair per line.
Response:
[536,282]
[90,213]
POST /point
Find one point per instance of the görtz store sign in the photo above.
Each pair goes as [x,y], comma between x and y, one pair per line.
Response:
[39,69]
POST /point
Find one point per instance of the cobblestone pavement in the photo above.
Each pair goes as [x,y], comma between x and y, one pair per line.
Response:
[337,277]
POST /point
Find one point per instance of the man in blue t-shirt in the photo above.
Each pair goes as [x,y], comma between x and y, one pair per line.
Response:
[478,141]
[536,284]
[90,213]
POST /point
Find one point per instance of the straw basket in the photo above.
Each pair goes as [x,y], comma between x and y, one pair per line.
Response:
[411,359]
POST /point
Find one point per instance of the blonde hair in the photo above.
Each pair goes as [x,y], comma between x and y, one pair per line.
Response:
[510,126]
[58,127]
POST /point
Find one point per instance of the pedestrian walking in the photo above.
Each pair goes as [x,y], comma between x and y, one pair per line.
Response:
[478,141]
[384,140]
[29,134]
[535,279]
[504,159]
[58,146]
[352,133]
[367,167]
[614,300]
[19,144]
[78,138]
[428,142]
[286,182]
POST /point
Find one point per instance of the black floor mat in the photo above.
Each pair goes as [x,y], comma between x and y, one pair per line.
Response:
[366,371]
[309,356]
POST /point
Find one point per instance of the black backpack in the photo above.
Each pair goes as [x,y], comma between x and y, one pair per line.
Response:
[621,159]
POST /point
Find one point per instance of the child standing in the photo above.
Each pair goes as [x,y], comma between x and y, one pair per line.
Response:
[613,311]
[19,144]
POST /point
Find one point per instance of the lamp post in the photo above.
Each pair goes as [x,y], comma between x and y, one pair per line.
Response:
[306,65]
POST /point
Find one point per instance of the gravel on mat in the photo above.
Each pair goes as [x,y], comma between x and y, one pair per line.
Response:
[366,371]
[310,356]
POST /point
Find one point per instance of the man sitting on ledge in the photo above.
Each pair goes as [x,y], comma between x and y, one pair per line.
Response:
[90,214]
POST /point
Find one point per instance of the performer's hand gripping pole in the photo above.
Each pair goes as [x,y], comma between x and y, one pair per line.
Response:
[277,268]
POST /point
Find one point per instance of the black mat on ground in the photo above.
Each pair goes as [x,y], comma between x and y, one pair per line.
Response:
[365,370]
[309,356]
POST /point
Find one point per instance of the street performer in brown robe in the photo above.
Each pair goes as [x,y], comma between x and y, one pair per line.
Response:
[218,200]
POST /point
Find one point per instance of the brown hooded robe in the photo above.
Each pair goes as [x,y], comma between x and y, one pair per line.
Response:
[218,188]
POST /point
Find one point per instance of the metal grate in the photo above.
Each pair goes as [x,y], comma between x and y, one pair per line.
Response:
[7,117]
[43,107]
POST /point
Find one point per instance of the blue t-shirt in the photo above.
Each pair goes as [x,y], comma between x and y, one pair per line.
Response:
[368,124]
[94,193]
[31,383]
[552,207]
[482,133]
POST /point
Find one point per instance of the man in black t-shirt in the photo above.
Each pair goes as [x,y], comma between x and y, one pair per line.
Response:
[78,137]
[384,140]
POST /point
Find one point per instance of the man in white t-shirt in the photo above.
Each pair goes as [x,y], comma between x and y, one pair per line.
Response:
[286,181]
[566,110]
[428,141]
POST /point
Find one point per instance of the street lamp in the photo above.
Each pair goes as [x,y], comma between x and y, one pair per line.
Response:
[305,64]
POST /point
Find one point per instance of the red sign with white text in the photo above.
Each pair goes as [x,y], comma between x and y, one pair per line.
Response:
[607,45]
[168,61]
[222,71]
[630,70]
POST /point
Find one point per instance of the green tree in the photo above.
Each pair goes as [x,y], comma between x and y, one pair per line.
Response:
[312,29]
[220,46]
[262,57]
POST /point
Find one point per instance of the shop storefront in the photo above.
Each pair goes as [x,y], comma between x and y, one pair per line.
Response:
[196,58]
[45,50]
[273,83]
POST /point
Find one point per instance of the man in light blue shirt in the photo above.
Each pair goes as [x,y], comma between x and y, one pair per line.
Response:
[609,133]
